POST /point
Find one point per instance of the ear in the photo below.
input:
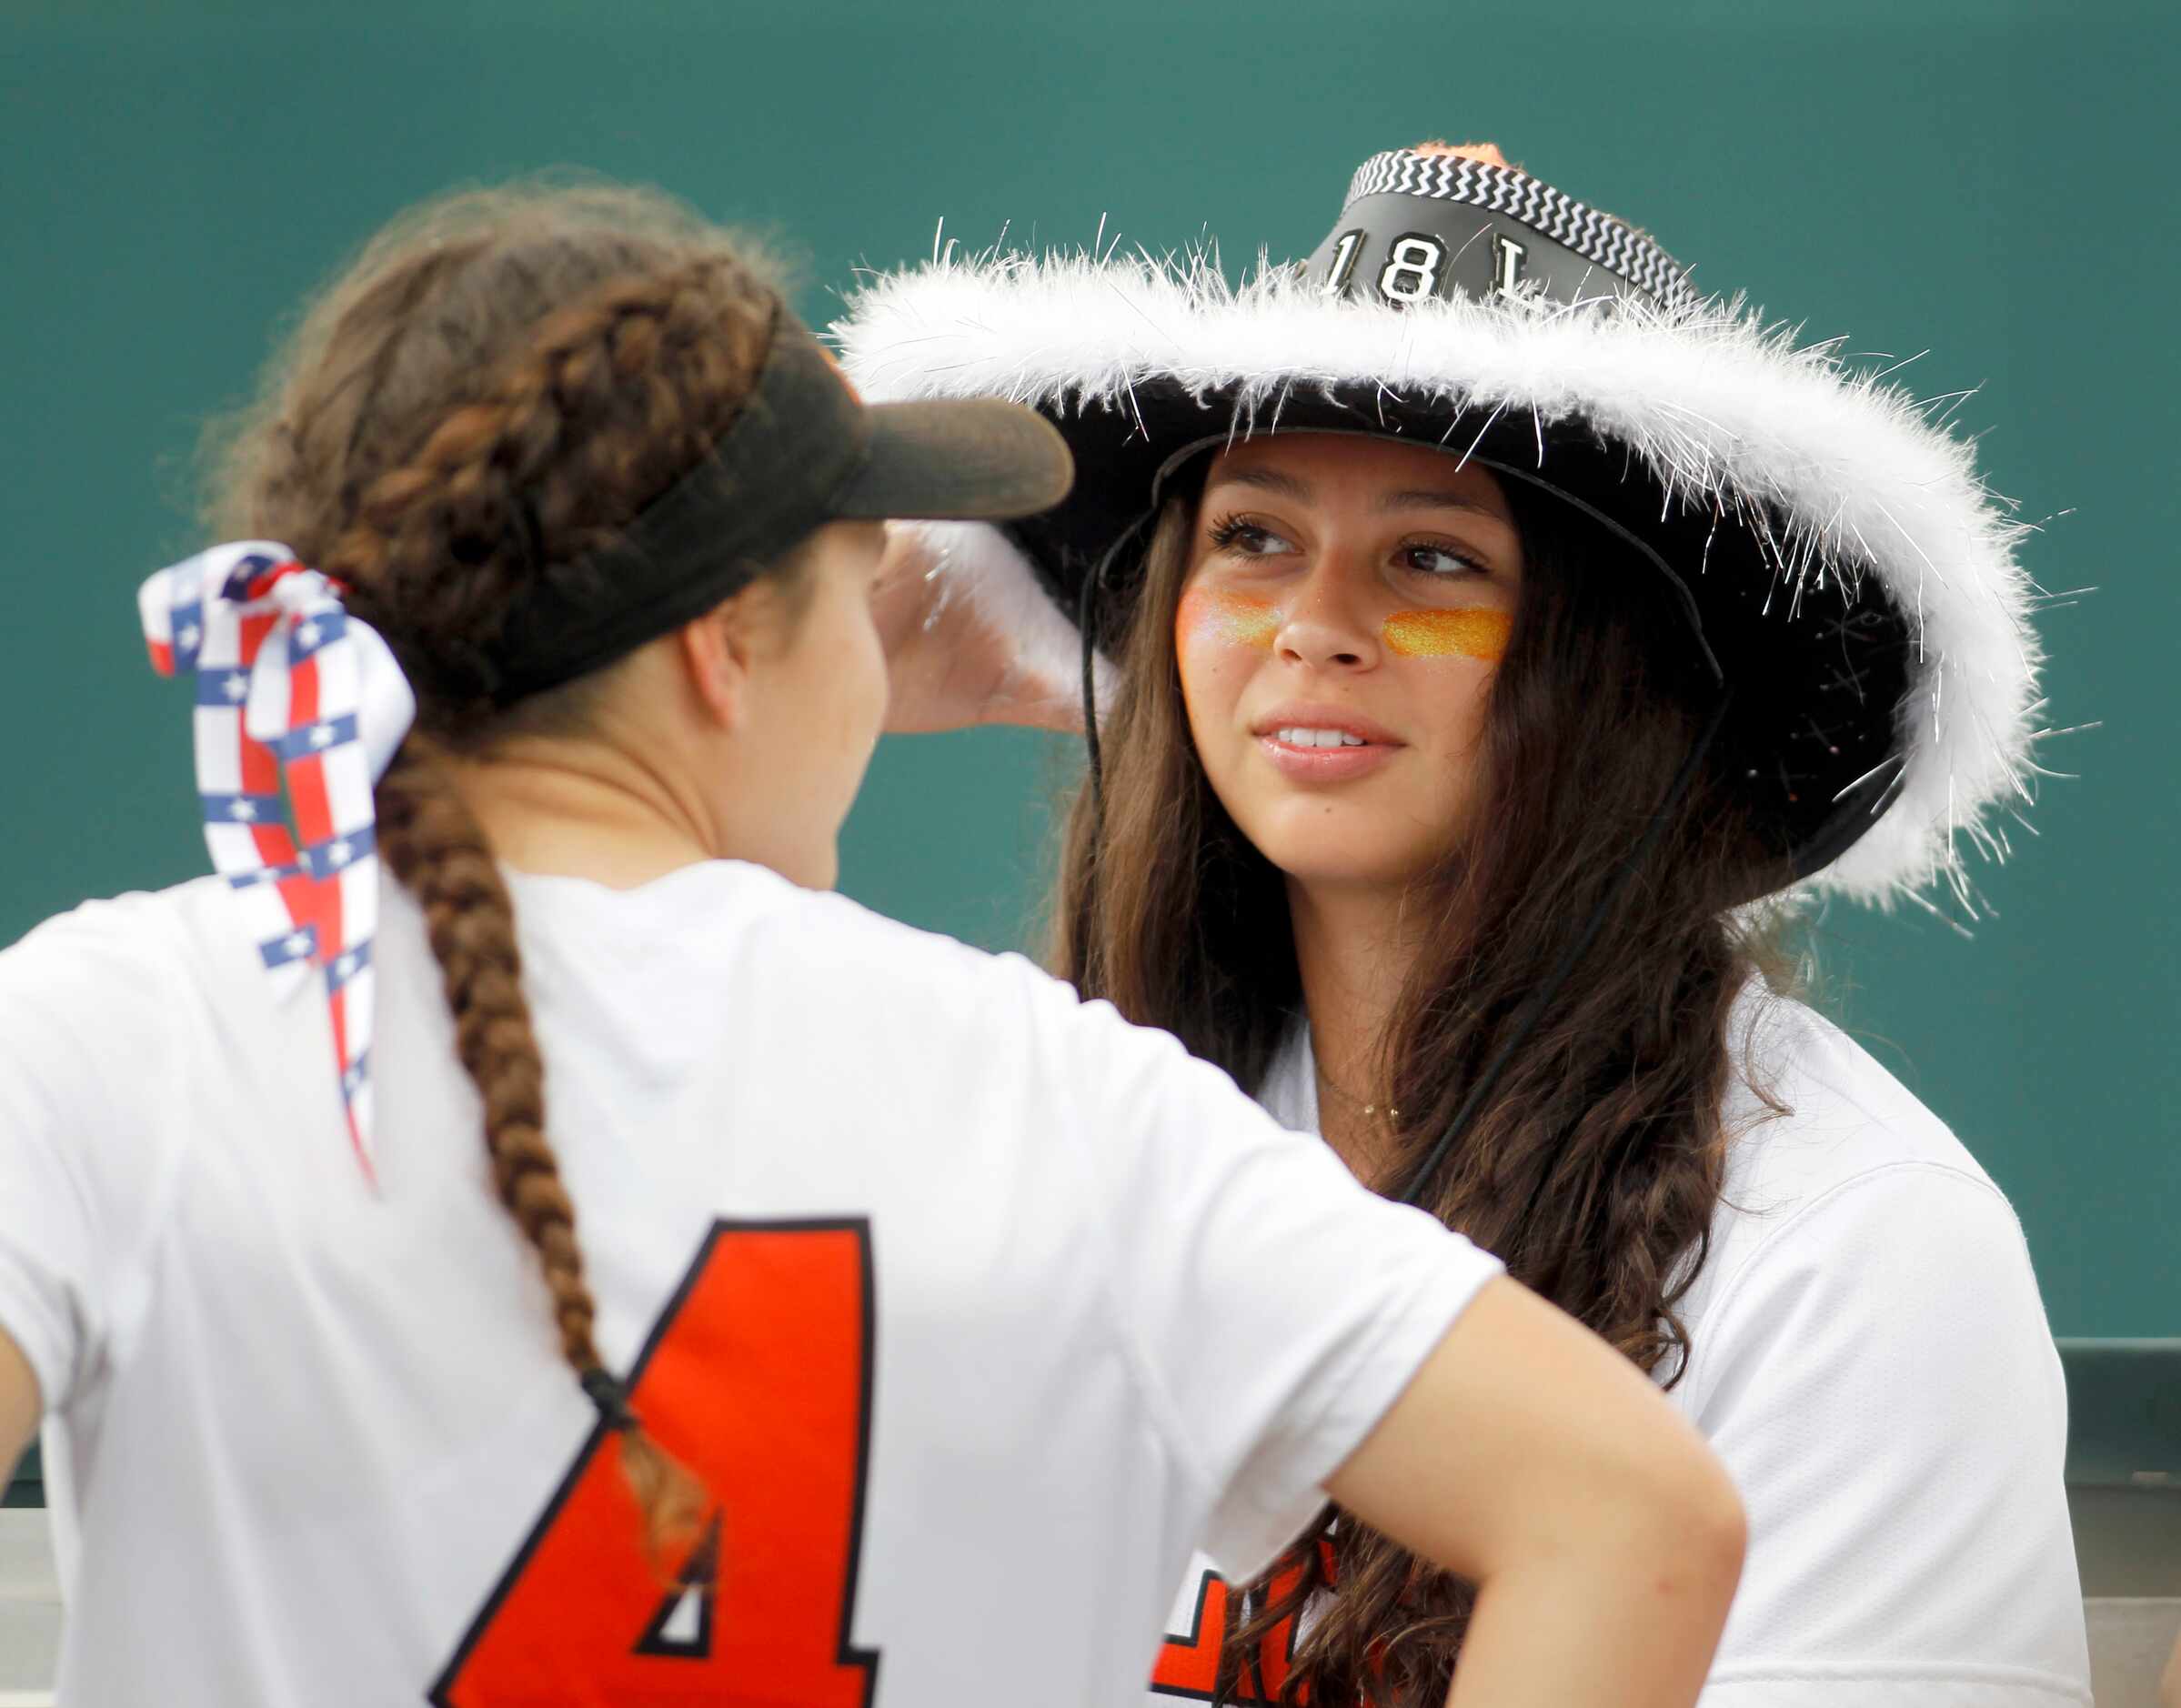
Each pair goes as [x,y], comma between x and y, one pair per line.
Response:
[716,652]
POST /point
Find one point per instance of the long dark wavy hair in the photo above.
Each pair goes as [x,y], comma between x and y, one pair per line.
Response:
[1596,1165]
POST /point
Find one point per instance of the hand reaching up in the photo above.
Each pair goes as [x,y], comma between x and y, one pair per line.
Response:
[952,662]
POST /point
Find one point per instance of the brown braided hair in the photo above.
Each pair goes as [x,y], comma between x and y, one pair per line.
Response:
[1595,1166]
[501,380]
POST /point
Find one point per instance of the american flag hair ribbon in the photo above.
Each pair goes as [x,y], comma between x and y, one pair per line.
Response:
[289,687]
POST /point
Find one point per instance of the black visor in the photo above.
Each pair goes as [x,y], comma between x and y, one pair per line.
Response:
[803,451]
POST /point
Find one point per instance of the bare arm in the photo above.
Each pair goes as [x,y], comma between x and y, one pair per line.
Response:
[18,1403]
[1604,1538]
[948,667]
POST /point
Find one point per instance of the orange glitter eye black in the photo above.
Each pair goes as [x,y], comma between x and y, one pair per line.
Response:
[1478,632]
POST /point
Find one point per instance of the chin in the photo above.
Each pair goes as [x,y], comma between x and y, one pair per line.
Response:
[1321,853]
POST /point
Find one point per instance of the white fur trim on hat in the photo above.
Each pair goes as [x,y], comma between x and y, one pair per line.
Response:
[1721,408]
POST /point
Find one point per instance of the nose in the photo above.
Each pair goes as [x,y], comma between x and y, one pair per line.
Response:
[1325,625]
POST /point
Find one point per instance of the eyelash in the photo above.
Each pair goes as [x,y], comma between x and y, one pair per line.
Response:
[1467,562]
[1225,533]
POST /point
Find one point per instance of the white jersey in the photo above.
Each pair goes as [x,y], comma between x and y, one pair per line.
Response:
[973,1307]
[1871,1362]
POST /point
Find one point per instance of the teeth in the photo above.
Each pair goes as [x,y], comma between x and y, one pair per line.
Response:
[1299,738]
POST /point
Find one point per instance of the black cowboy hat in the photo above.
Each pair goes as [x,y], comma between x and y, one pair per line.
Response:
[1845,575]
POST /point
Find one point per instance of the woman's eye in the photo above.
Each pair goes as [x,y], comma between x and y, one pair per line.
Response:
[1247,539]
[1439,560]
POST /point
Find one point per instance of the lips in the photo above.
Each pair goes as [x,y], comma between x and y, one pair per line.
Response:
[1304,716]
[1323,744]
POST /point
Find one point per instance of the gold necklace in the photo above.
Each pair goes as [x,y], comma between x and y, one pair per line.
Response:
[1369,1109]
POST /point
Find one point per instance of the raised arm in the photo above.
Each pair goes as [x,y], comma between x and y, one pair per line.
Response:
[950,665]
[1604,1538]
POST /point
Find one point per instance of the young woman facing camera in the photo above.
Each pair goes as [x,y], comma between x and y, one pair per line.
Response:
[1492,641]
[577,530]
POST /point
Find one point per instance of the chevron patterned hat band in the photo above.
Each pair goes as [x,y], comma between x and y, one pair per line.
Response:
[1420,225]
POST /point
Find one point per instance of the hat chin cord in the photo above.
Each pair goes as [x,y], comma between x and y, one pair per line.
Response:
[1086,604]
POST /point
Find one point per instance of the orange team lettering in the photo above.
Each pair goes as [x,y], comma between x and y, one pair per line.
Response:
[758,1378]
[1189,1665]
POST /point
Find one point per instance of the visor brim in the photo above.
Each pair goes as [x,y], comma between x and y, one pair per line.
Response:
[967,460]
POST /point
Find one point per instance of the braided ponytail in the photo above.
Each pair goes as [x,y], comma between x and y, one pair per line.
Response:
[436,848]
[502,382]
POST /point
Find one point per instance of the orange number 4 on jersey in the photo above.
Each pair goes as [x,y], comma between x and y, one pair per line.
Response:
[758,1378]
[1189,1665]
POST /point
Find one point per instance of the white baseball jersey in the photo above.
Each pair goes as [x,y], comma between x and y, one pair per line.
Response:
[1871,1362]
[973,1307]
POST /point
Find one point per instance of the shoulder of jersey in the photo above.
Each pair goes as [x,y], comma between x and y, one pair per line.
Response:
[1846,1118]
[146,930]
[836,952]
[1855,1163]
[826,921]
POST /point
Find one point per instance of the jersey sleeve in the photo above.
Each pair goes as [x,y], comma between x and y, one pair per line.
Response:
[1880,1381]
[1275,1307]
[82,1053]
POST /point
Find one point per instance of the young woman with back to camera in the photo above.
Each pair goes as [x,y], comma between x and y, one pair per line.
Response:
[900,1270]
[1490,643]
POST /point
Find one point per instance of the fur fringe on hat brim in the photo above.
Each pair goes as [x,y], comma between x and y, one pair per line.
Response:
[1721,408]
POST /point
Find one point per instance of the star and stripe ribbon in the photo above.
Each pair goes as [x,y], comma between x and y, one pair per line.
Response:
[290,690]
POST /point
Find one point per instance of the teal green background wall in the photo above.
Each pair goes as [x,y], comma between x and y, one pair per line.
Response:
[1989,181]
